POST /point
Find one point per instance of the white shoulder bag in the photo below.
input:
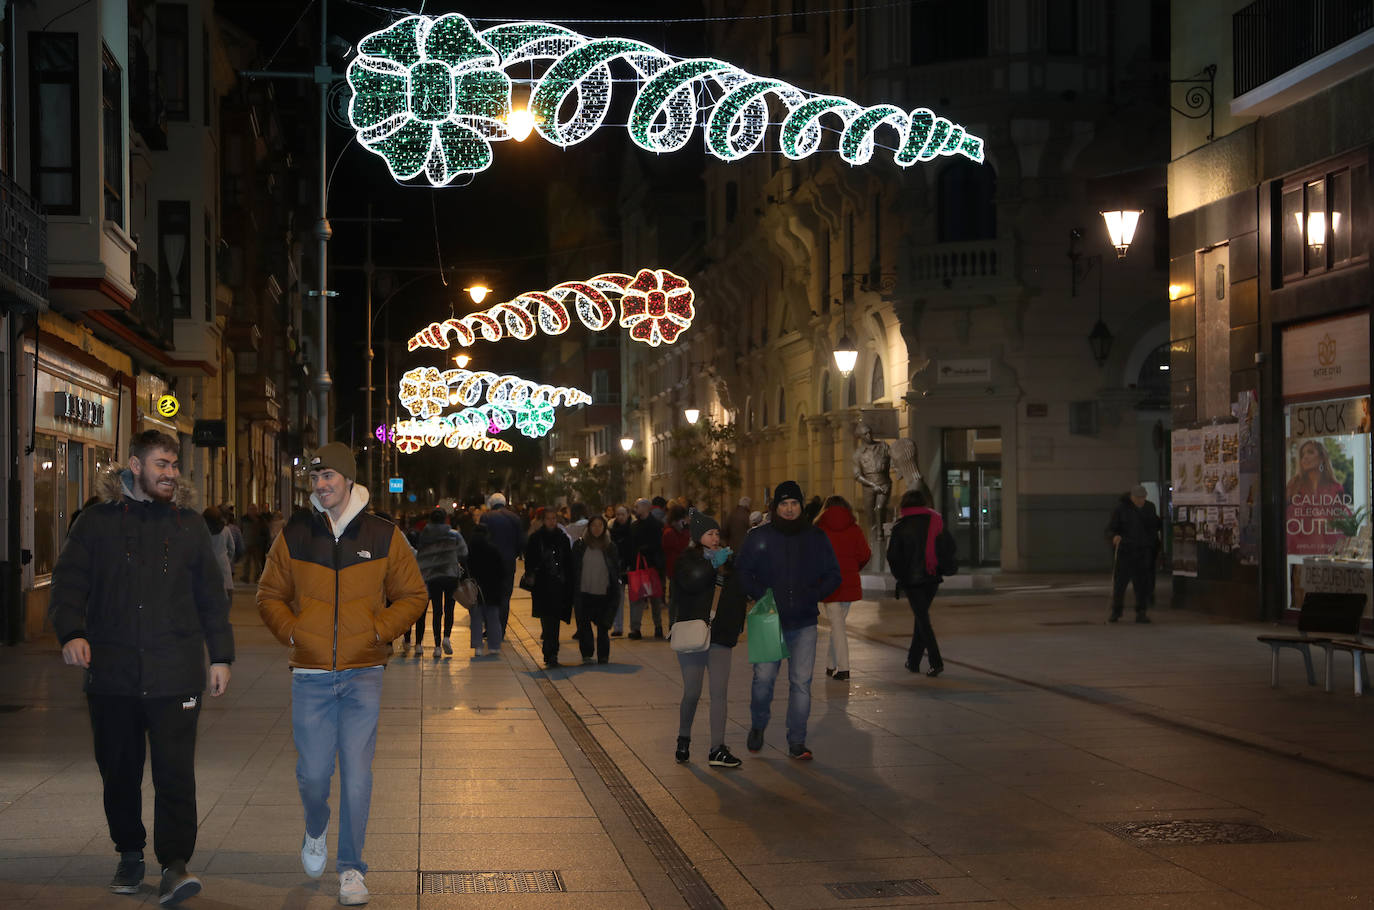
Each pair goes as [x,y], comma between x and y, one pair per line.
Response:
[692,636]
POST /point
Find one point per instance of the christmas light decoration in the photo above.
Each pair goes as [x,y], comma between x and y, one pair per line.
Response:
[431,95]
[425,391]
[412,435]
[655,305]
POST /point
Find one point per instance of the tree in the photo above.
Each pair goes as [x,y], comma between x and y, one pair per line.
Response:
[705,458]
[600,485]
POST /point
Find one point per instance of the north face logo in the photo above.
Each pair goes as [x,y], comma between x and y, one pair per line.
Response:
[364,554]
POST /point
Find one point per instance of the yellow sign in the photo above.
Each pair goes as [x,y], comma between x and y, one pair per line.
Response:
[168,406]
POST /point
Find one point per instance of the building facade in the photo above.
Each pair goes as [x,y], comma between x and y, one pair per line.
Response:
[968,290]
[1269,234]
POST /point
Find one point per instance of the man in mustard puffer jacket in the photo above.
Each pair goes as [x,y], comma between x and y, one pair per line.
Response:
[339,585]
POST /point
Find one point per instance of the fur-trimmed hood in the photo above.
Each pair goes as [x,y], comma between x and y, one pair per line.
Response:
[114,483]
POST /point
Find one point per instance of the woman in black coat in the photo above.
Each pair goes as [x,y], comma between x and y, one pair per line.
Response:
[548,563]
[702,569]
[596,572]
[620,536]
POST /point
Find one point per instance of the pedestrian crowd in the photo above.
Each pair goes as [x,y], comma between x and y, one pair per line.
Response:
[142,588]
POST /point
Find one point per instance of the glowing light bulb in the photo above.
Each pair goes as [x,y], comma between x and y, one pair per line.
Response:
[574,461]
[462,360]
[478,292]
[692,415]
[520,123]
[626,443]
[549,468]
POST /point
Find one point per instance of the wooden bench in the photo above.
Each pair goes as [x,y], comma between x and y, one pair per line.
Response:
[1321,612]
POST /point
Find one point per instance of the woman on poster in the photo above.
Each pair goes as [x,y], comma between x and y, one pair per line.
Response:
[1314,496]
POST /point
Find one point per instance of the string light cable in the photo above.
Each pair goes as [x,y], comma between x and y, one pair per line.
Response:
[430,95]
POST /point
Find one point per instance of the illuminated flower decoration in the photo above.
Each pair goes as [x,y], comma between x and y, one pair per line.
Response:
[427,97]
[534,422]
[657,306]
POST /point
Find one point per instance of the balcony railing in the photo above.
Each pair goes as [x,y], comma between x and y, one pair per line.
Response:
[147,111]
[1271,37]
[978,263]
[23,245]
[154,319]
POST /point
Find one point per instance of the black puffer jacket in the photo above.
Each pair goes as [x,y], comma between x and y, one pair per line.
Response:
[694,587]
[139,580]
[548,559]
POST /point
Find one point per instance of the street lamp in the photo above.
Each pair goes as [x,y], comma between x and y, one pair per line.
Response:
[549,468]
[478,292]
[462,360]
[520,123]
[1121,229]
[845,356]
[626,444]
[692,415]
[574,461]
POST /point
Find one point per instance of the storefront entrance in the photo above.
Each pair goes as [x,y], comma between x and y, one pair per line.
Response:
[972,500]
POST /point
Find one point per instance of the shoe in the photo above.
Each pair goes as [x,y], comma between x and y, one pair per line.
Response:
[616,634]
[314,851]
[1114,617]
[658,634]
[915,669]
[841,675]
[448,648]
[438,652]
[1141,617]
[799,751]
[552,664]
[634,636]
[405,649]
[935,671]
[603,660]
[588,659]
[128,877]
[683,753]
[829,671]
[352,891]
[722,758]
[755,741]
[177,885]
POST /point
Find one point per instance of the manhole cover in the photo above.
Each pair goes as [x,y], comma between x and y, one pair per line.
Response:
[538,882]
[903,887]
[1197,832]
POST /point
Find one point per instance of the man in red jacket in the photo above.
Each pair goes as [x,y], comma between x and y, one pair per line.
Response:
[853,553]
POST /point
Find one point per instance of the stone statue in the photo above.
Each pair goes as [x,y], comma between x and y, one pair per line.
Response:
[872,469]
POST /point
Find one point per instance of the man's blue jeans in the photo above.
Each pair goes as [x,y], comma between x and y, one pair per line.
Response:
[802,645]
[335,713]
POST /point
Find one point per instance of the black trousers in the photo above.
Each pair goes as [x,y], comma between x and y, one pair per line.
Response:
[598,610]
[124,728]
[1134,566]
[441,598]
[549,629]
[922,634]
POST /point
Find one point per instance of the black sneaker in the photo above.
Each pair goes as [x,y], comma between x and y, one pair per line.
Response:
[683,753]
[936,671]
[634,636]
[552,664]
[755,741]
[722,758]
[841,675]
[128,877]
[799,751]
[177,885]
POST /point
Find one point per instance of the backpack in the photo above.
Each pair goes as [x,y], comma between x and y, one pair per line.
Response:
[946,554]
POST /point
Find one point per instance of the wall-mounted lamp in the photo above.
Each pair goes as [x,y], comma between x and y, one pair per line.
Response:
[692,415]
[549,468]
[626,443]
[1316,229]
[574,461]
[1100,338]
[1121,229]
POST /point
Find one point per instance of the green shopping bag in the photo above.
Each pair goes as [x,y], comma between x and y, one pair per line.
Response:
[765,631]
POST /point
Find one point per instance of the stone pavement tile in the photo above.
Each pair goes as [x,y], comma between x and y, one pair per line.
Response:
[1081,873]
[17,824]
[517,851]
[1315,898]
[1248,868]
[1089,795]
[53,845]
[730,885]
[537,805]
[1192,900]
[581,825]
[577,900]
[753,845]
[782,874]
[952,892]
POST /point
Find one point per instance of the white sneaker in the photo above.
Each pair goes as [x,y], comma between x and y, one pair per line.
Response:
[352,891]
[448,647]
[438,652]
[314,851]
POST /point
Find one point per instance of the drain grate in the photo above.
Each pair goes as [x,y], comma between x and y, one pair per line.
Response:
[1197,832]
[537,882]
[902,887]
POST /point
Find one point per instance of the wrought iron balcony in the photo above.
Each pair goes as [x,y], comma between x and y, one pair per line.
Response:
[149,314]
[23,246]
[1271,37]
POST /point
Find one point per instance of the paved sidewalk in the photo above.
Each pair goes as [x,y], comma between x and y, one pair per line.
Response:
[990,785]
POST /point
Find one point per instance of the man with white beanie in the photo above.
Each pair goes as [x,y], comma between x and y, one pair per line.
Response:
[507,534]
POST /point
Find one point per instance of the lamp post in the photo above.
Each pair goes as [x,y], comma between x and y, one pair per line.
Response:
[692,415]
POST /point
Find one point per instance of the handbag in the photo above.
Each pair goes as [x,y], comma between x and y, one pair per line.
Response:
[644,581]
[468,593]
[692,636]
[527,582]
[766,644]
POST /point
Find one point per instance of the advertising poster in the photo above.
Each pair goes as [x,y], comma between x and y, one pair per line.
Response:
[1246,411]
[1326,477]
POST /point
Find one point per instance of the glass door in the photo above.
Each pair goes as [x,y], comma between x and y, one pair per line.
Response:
[973,512]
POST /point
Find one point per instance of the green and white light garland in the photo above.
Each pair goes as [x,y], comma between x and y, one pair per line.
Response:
[431,95]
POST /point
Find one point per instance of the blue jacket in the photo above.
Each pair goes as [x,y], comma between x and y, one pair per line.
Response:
[800,568]
[507,534]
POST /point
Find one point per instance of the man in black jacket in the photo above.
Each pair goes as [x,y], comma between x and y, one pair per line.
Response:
[137,599]
[1134,529]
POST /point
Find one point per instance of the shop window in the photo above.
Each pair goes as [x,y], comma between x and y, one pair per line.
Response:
[112,135]
[44,503]
[173,60]
[56,131]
